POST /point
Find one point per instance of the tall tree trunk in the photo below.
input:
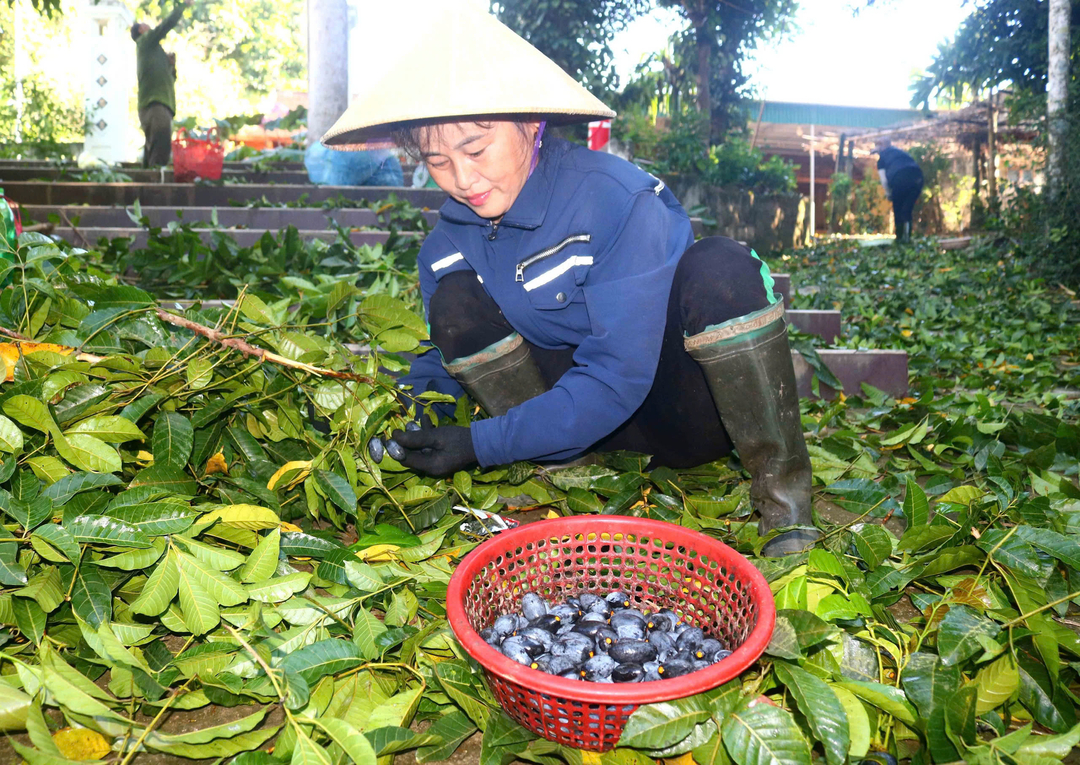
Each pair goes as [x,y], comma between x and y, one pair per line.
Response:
[1057,117]
[328,65]
[704,93]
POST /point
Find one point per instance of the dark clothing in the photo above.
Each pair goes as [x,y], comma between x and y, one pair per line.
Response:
[157,77]
[582,261]
[905,180]
[906,187]
[716,280]
[156,120]
[892,160]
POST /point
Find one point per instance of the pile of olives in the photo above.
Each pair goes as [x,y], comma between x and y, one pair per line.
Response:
[602,639]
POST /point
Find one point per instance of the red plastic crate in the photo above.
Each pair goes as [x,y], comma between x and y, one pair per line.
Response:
[659,564]
[197,158]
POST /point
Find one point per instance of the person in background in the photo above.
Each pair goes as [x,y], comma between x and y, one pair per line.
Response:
[157,81]
[903,181]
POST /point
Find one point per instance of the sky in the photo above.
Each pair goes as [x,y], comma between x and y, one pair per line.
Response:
[833,57]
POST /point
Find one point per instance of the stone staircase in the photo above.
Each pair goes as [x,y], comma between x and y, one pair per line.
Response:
[83,213]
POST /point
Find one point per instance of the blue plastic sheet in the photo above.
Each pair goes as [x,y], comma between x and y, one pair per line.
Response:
[329,167]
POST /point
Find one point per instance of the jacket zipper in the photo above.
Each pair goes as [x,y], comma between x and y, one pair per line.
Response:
[554,250]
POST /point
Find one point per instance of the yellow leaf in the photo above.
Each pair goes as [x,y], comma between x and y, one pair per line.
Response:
[81,744]
[216,464]
[1029,357]
[595,758]
[303,466]
[144,456]
[909,312]
[286,526]
[378,553]
[905,332]
[10,353]
[551,514]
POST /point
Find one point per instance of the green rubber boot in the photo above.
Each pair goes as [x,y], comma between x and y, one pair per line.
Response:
[747,364]
[499,377]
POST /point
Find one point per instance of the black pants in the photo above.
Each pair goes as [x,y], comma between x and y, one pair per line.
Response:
[717,279]
[906,188]
[156,120]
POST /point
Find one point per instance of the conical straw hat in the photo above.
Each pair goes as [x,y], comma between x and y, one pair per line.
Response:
[465,63]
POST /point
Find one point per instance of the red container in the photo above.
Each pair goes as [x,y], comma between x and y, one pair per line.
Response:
[659,564]
[197,158]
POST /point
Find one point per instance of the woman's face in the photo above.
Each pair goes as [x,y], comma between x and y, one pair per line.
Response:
[482,167]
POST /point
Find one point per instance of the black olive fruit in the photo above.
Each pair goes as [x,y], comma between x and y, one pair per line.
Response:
[395,450]
[375,449]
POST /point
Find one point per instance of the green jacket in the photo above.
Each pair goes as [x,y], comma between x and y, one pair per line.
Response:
[156,78]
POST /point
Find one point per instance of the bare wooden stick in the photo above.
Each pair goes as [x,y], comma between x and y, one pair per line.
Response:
[248,349]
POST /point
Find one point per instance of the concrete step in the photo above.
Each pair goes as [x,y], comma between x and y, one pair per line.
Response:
[202,195]
[262,218]
[824,324]
[782,284]
[89,236]
[885,370]
[156,175]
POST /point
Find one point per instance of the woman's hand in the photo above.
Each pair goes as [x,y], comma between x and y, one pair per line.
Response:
[437,451]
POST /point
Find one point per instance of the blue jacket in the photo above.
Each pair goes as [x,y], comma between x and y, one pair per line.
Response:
[583,259]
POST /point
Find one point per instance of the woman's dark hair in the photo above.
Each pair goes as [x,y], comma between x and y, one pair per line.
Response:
[411,139]
[135,34]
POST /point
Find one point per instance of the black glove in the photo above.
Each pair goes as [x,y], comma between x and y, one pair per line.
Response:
[436,451]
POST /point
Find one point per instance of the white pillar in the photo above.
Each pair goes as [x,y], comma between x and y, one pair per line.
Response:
[813,180]
[328,64]
[1057,91]
[110,78]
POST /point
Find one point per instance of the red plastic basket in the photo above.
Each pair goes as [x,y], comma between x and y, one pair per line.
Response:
[659,564]
[197,158]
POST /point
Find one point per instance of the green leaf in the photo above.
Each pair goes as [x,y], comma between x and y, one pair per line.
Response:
[88,453]
[873,544]
[30,618]
[960,633]
[822,710]
[205,735]
[785,641]
[502,740]
[461,686]
[91,598]
[68,486]
[960,717]
[279,588]
[111,428]
[338,490]
[199,373]
[916,507]
[11,438]
[169,479]
[173,438]
[884,697]
[220,587]
[14,709]
[655,726]
[1058,545]
[160,588]
[103,529]
[354,743]
[929,682]
[263,560]
[996,682]
[58,540]
[393,740]
[221,747]
[155,519]
[199,609]
[809,629]
[30,413]
[764,735]
[362,576]
[326,657]
[453,729]
[858,722]
[1057,747]
[366,630]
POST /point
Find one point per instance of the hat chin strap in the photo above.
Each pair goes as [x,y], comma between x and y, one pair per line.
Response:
[536,146]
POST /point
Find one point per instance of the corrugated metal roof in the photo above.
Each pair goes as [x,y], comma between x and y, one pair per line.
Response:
[790,113]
